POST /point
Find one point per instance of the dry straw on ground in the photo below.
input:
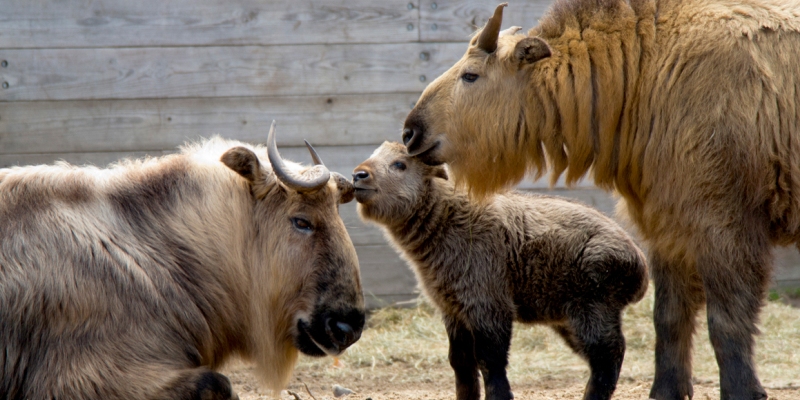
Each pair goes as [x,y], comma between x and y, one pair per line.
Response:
[403,355]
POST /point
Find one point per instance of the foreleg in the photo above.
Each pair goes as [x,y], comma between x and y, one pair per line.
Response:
[462,360]
[678,297]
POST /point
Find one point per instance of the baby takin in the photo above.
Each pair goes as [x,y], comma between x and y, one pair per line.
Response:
[515,257]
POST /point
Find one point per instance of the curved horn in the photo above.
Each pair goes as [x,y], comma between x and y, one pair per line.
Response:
[488,39]
[287,177]
[314,155]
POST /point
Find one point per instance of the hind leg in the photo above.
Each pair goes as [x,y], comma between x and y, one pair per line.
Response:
[678,297]
[198,384]
[735,280]
[596,335]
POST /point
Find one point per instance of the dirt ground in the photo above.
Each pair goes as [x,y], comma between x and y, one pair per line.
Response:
[439,385]
[403,355]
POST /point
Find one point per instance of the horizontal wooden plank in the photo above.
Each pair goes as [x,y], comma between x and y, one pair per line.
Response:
[231,71]
[164,124]
[99,159]
[383,272]
[121,23]
[361,233]
[787,267]
[456,20]
[342,159]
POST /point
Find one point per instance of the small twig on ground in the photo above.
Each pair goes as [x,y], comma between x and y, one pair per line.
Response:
[308,390]
[296,397]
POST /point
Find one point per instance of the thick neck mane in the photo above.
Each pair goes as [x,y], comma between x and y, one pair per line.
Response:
[585,96]
[595,105]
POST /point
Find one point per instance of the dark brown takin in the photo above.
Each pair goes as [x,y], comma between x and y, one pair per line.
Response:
[514,257]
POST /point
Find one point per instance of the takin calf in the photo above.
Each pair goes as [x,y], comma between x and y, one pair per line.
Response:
[138,281]
[529,258]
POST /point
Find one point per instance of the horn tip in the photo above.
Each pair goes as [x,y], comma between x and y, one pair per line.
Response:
[271,130]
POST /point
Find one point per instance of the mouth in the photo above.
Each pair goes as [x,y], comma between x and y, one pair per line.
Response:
[362,192]
[430,155]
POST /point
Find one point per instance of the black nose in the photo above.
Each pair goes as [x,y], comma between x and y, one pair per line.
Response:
[359,175]
[341,333]
[413,133]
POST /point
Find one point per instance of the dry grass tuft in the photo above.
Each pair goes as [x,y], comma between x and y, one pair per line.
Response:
[403,355]
[413,342]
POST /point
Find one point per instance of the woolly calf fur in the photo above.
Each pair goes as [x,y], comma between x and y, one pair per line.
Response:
[515,257]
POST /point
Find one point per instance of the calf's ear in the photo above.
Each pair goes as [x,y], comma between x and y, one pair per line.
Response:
[531,49]
[346,190]
[244,162]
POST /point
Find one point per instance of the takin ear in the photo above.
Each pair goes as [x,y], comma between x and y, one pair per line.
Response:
[440,171]
[346,190]
[531,50]
[244,162]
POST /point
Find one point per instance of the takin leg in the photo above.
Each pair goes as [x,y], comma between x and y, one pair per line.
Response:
[596,335]
[198,384]
[678,297]
[735,275]
[462,360]
[491,351]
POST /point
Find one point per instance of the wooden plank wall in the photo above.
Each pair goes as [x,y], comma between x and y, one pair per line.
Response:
[91,81]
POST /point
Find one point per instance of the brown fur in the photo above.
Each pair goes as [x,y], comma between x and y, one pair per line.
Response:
[137,281]
[530,258]
[688,108]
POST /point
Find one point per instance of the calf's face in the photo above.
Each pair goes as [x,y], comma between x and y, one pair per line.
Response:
[388,185]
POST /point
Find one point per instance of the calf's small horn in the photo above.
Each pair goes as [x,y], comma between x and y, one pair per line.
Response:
[488,39]
[286,177]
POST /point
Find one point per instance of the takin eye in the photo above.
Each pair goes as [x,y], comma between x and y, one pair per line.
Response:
[399,165]
[469,78]
[302,225]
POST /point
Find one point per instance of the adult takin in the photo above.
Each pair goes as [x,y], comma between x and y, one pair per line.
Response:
[690,109]
[138,281]
[529,258]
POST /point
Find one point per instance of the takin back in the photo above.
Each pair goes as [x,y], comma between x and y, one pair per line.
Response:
[515,257]
[140,280]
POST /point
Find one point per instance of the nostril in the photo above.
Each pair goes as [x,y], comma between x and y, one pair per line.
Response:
[341,333]
[359,175]
[346,329]
[408,134]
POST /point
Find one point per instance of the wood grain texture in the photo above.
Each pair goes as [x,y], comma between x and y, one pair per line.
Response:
[121,23]
[164,124]
[383,272]
[213,71]
[457,20]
